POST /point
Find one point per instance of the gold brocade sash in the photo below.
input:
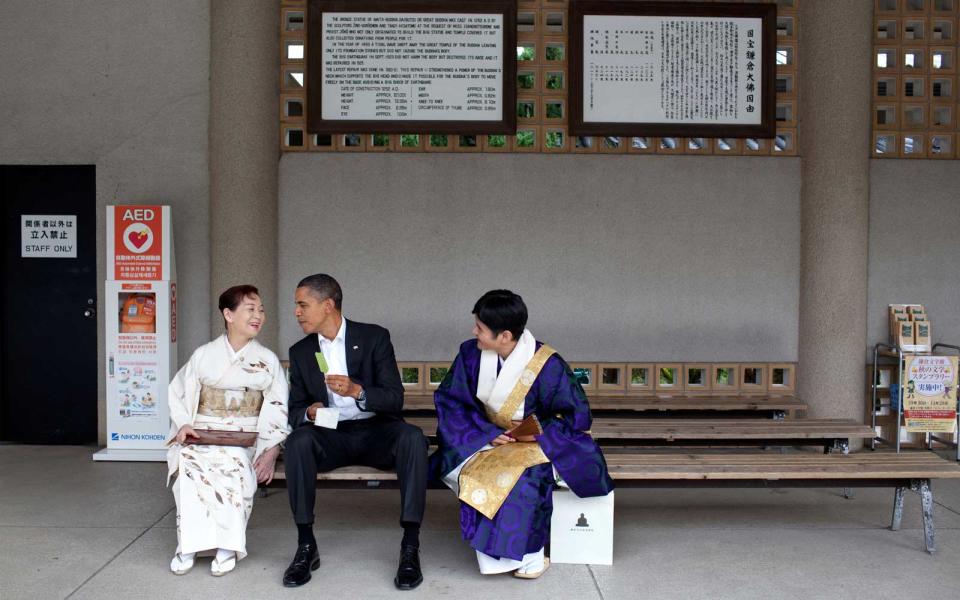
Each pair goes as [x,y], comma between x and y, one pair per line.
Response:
[486,481]
[504,416]
[214,403]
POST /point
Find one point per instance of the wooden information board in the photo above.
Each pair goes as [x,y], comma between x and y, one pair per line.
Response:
[665,69]
[412,66]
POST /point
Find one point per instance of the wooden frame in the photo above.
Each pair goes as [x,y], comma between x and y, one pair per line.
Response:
[420,371]
[766,12]
[314,60]
[789,385]
[590,385]
[733,387]
[755,387]
[640,388]
[616,388]
[701,388]
[677,387]
[430,370]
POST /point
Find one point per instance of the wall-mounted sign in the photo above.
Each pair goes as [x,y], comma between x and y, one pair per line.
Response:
[48,236]
[672,69]
[138,243]
[930,393]
[401,66]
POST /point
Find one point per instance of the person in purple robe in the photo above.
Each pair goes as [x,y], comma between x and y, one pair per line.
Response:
[512,422]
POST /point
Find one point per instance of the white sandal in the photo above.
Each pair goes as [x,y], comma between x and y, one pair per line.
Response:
[528,575]
[181,565]
[220,568]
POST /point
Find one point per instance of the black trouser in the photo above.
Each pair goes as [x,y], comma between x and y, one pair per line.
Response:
[376,442]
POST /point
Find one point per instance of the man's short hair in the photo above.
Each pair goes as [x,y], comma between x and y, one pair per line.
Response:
[502,310]
[323,286]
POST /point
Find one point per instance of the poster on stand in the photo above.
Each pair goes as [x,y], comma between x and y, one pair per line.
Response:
[930,393]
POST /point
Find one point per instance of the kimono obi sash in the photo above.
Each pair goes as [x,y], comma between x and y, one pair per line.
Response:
[223,403]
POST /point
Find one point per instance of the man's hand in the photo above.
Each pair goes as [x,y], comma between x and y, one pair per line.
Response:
[265,463]
[185,432]
[502,440]
[312,411]
[343,385]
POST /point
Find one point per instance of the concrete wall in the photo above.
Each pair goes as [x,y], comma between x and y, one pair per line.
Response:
[618,257]
[123,86]
[914,244]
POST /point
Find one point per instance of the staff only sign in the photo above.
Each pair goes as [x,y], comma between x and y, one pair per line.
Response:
[141,331]
[930,394]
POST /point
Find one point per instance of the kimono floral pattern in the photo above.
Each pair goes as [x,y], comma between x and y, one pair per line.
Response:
[215,485]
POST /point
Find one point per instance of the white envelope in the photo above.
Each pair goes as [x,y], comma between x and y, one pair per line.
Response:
[327,417]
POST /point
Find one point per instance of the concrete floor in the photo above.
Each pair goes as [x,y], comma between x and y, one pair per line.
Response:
[72,528]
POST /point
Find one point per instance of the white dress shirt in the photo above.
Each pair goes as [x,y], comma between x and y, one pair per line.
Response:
[335,353]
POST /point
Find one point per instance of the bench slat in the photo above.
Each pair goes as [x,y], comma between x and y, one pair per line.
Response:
[736,467]
[697,429]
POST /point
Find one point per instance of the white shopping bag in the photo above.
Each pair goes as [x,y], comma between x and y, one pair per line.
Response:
[581,529]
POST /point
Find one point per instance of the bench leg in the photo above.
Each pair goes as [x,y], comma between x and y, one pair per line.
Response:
[926,500]
[262,491]
[897,509]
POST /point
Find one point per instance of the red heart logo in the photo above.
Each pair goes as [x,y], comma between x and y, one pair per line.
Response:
[137,238]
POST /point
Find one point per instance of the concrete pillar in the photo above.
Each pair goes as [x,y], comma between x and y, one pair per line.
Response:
[244,153]
[835,63]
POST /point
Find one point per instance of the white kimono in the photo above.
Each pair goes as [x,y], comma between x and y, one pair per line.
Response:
[215,485]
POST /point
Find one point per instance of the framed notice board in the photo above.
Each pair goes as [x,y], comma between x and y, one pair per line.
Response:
[395,66]
[672,68]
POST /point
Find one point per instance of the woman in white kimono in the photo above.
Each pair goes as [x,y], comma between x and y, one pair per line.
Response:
[234,384]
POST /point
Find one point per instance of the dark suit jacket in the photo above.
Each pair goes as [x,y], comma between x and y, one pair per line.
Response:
[370,362]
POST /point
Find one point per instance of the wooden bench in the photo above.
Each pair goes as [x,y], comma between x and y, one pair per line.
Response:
[908,470]
[832,434]
[777,407]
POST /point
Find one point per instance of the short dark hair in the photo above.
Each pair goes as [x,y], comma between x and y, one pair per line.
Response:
[323,286]
[502,310]
[233,297]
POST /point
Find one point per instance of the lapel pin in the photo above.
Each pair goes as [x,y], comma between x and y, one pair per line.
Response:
[356,347]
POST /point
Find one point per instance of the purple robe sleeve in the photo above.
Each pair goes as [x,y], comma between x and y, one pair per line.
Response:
[462,424]
[565,416]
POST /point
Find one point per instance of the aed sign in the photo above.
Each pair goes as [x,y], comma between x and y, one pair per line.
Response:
[48,236]
[138,244]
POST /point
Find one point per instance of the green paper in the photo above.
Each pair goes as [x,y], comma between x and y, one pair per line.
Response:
[322,363]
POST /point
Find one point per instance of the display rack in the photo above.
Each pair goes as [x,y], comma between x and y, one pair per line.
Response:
[890,352]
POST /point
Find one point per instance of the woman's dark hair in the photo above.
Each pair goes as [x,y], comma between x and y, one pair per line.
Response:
[233,297]
[502,310]
[322,286]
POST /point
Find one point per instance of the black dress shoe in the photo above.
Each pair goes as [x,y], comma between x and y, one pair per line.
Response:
[408,573]
[305,560]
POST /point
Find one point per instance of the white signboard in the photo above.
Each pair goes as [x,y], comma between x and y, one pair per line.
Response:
[48,236]
[412,67]
[678,70]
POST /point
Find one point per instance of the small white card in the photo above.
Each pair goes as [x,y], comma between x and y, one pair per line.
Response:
[327,417]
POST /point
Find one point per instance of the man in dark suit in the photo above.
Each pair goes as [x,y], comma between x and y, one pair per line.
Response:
[346,373]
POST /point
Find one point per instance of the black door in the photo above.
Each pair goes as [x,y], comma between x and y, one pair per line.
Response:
[48,324]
